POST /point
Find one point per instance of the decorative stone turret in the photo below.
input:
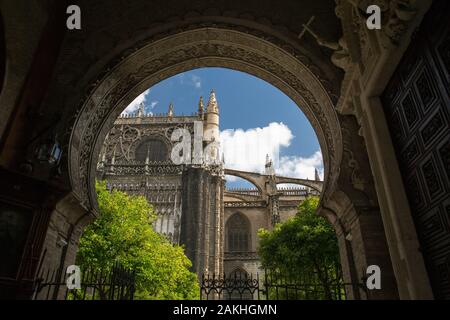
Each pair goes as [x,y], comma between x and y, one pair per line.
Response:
[211,131]
[211,126]
[141,110]
[269,169]
[201,108]
[213,106]
[170,112]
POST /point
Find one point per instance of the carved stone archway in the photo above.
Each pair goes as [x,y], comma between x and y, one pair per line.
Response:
[203,47]
[156,60]
[83,78]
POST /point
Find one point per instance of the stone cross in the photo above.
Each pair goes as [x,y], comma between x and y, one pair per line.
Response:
[306,27]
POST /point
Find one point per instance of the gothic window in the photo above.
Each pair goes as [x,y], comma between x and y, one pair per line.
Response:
[238,233]
[156,150]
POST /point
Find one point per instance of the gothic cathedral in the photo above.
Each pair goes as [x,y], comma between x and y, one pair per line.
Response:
[218,226]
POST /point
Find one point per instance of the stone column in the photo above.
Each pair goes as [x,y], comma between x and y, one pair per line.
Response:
[216,238]
[369,247]
[400,231]
[221,226]
[366,81]
[274,209]
[354,202]
[349,273]
[191,233]
[202,220]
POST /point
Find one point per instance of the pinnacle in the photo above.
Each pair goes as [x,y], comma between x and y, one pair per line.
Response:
[212,103]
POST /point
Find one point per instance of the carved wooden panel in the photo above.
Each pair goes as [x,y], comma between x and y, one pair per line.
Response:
[416,103]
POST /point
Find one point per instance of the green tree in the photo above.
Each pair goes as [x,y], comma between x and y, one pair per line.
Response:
[123,234]
[304,250]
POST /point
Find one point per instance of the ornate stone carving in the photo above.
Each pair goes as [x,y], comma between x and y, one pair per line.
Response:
[185,51]
[355,168]
[340,56]
[399,14]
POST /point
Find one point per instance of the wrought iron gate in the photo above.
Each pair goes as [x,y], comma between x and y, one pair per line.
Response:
[270,285]
[118,283]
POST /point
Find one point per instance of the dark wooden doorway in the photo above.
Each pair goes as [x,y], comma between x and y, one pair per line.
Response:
[417,103]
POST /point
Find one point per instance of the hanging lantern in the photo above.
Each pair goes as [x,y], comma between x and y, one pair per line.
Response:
[49,151]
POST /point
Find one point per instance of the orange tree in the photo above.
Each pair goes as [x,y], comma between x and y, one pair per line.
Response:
[303,250]
[123,234]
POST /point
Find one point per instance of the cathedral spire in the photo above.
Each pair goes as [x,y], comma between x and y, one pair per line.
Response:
[170,112]
[201,107]
[211,130]
[269,170]
[141,111]
[212,106]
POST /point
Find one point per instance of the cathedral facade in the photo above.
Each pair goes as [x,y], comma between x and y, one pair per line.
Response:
[217,226]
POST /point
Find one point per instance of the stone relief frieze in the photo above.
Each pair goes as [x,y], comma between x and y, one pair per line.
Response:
[366,46]
[121,142]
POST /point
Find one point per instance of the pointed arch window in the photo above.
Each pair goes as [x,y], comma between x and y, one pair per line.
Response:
[239,273]
[238,233]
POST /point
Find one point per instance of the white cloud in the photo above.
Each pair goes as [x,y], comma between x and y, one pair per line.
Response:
[301,167]
[153,104]
[196,81]
[246,151]
[134,105]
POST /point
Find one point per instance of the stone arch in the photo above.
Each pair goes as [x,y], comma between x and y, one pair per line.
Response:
[246,178]
[158,58]
[89,57]
[185,51]
[116,76]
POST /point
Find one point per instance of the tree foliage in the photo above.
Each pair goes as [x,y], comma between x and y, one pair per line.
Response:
[303,247]
[123,234]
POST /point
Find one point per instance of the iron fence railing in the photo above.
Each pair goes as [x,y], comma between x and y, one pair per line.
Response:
[116,283]
[274,285]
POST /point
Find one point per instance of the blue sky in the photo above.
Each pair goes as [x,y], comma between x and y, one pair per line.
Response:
[250,110]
